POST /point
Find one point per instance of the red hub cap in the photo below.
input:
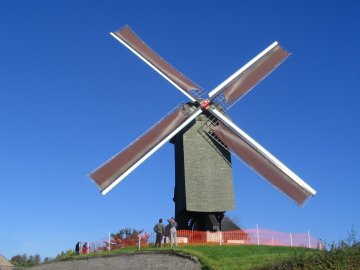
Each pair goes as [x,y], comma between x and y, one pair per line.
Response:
[205,104]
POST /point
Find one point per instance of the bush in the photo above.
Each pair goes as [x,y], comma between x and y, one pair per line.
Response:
[25,260]
[65,254]
[127,237]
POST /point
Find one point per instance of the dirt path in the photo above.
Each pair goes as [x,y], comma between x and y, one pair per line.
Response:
[143,260]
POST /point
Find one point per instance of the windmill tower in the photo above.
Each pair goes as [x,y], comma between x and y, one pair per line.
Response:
[203,137]
[203,178]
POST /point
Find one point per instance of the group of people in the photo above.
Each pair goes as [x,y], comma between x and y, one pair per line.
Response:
[168,231]
[84,250]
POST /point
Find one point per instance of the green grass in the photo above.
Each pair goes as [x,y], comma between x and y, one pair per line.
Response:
[345,255]
[338,257]
[240,257]
[221,257]
[342,256]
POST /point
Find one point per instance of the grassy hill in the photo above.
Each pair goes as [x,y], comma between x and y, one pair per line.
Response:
[242,257]
[221,257]
[342,256]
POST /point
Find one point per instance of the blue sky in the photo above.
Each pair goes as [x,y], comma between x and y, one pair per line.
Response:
[71,96]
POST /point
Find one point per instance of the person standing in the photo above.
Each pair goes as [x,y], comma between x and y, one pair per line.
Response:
[77,248]
[173,236]
[85,249]
[159,229]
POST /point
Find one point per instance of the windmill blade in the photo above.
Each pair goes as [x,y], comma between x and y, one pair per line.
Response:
[130,40]
[117,168]
[261,160]
[243,80]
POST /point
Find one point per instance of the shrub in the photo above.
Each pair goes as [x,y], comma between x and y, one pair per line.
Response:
[127,237]
[65,254]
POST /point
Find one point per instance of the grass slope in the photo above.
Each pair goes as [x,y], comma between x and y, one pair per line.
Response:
[241,257]
[342,256]
[339,257]
[221,257]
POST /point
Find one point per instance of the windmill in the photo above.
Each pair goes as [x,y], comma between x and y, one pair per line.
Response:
[203,137]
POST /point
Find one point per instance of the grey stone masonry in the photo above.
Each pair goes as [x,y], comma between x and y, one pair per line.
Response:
[131,261]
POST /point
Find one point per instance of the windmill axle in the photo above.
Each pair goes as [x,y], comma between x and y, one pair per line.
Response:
[205,104]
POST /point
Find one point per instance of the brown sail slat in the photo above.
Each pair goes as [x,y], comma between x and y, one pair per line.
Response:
[255,73]
[132,40]
[261,164]
[120,163]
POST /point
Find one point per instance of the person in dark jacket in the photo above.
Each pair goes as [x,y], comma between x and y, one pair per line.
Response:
[159,229]
[77,248]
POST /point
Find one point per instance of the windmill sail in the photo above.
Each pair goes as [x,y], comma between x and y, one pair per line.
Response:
[128,38]
[108,175]
[112,172]
[243,80]
[261,160]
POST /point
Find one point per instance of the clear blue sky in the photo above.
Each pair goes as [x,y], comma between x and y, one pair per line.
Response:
[71,96]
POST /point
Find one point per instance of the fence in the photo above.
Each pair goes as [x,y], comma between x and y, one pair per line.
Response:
[185,237]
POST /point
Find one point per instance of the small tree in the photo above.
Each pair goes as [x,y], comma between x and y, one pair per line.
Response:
[17,260]
[25,260]
[127,237]
[48,260]
[65,254]
[36,259]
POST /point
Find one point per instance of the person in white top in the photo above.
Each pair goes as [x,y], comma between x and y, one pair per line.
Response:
[173,226]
